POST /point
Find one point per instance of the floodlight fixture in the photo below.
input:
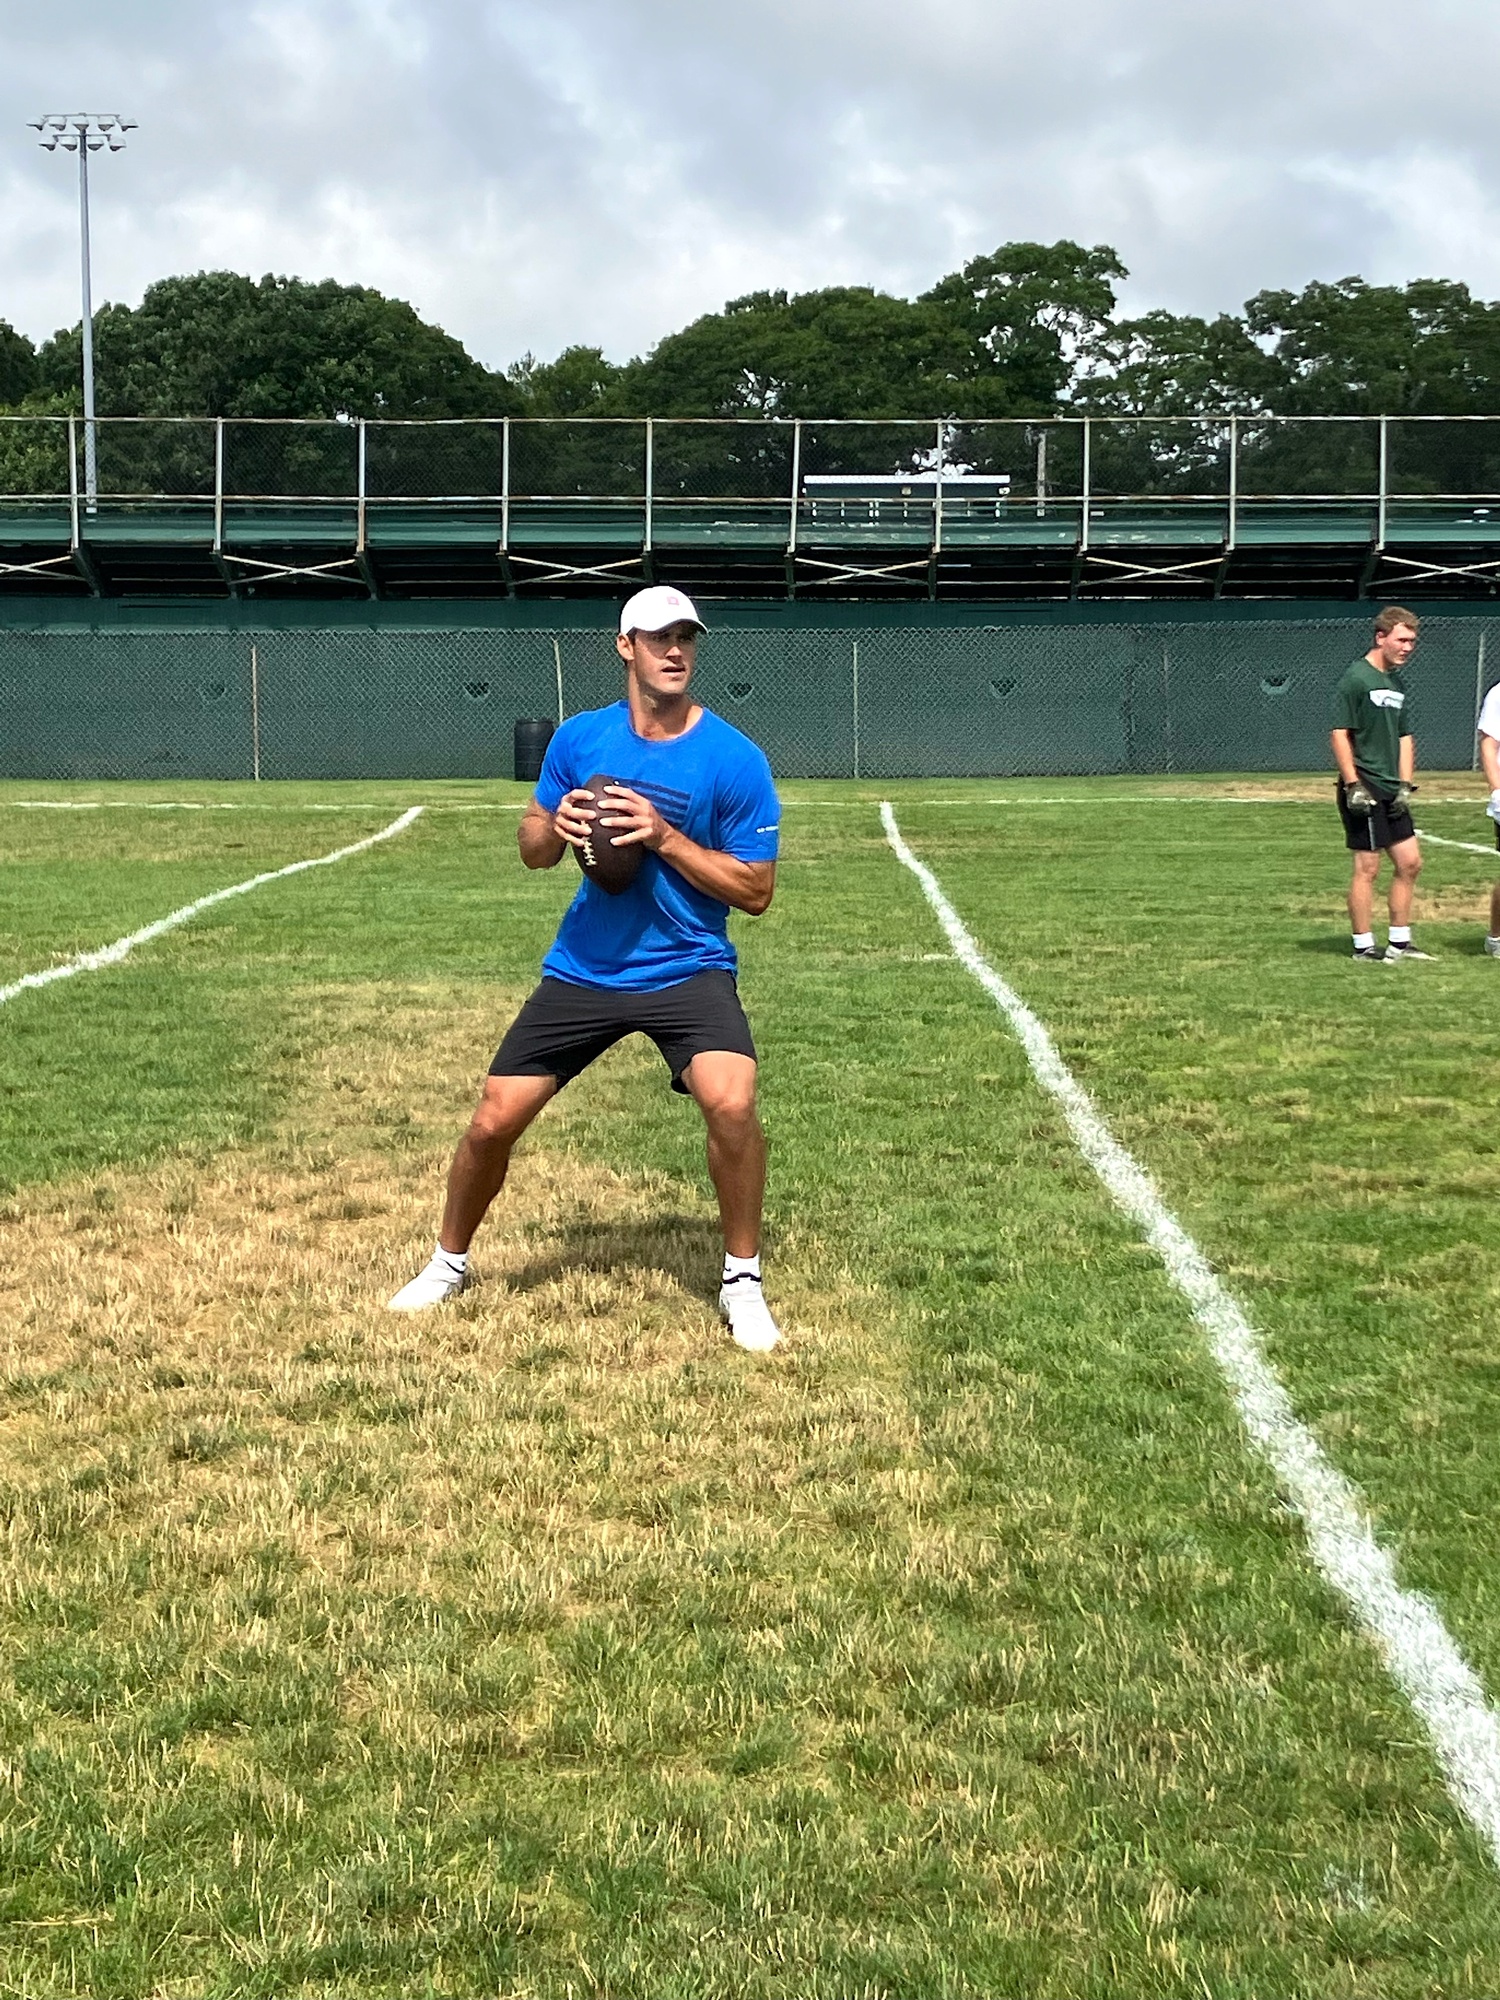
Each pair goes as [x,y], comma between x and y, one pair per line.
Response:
[85,132]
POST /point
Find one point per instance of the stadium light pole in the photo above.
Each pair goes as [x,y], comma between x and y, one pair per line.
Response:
[85,132]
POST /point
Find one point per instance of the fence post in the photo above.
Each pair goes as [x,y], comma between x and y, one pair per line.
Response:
[1384,463]
[73,482]
[218,484]
[856,707]
[255,712]
[1166,704]
[1478,697]
[360,530]
[505,486]
[1041,474]
[557,665]
[1083,533]
[650,480]
[1234,483]
[793,507]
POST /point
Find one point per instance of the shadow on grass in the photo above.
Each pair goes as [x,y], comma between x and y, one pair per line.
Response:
[1470,945]
[1335,944]
[688,1248]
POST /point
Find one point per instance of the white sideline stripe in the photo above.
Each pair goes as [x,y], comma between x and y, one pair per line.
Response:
[1418,1648]
[1095,799]
[1468,846]
[111,954]
[245,805]
[828,805]
[1088,799]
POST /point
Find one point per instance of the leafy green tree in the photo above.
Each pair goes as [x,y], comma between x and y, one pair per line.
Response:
[1028,311]
[579,383]
[998,338]
[18,369]
[1177,365]
[1352,349]
[1349,349]
[219,344]
[846,351]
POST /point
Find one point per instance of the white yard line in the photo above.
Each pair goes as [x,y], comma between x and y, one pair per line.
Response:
[250,805]
[111,954]
[1070,799]
[1468,846]
[1418,1648]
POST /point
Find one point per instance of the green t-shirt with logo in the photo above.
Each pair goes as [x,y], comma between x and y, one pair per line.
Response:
[1376,710]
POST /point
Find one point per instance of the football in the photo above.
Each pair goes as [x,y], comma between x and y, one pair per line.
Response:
[613,868]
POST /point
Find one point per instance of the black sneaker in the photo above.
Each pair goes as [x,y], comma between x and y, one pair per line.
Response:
[1366,954]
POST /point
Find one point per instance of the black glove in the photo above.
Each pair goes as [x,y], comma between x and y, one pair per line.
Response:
[1359,798]
[1405,793]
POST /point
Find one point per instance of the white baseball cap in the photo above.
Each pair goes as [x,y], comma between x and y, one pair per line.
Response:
[654,609]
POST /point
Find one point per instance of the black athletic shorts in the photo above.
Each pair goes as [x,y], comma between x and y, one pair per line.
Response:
[1372,832]
[563,1028]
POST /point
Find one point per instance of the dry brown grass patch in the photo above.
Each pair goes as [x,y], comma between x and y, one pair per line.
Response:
[201,1352]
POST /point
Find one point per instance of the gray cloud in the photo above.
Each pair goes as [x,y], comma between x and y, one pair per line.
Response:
[535,172]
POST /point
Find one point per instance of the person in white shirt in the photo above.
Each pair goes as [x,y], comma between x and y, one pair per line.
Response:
[1489,756]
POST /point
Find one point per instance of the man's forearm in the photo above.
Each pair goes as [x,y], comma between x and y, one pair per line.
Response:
[1408,761]
[540,844]
[1343,755]
[744,885]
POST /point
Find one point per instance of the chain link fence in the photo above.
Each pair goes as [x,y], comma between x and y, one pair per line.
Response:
[876,701]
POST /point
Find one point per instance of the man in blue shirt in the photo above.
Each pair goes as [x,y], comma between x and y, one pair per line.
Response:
[653,959]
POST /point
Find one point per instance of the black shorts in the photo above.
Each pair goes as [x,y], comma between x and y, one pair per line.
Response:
[563,1028]
[1372,832]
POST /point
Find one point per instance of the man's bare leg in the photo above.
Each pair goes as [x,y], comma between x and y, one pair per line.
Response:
[477,1174]
[1406,857]
[1495,911]
[723,1087]
[1362,892]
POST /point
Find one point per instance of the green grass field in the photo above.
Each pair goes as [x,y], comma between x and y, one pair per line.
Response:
[552,1646]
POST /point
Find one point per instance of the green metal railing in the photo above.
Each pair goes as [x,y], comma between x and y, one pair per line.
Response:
[565,499]
[653,462]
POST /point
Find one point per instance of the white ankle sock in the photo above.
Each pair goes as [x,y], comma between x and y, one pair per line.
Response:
[456,1261]
[1400,933]
[1364,940]
[741,1267]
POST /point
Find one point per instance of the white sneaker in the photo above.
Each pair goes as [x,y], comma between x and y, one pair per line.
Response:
[428,1288]
[1492,947]
[743,1305]
[1397,954]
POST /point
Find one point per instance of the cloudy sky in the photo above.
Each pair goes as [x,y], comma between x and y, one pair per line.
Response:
[532,173]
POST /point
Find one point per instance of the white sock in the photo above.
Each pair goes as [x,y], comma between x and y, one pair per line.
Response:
[454,1261]
[741,1268]
[1364,940]
[1400,933]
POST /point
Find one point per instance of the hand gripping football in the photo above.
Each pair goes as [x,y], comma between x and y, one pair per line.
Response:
[613,868]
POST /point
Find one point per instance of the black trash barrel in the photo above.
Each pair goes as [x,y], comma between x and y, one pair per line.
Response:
[532,739]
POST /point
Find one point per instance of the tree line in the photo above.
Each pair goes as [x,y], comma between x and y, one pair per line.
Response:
[1030,331]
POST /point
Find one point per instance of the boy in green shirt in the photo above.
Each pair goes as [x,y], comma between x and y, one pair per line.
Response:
[1376,752]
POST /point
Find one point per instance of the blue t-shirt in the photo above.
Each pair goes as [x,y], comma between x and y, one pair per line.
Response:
[714,785]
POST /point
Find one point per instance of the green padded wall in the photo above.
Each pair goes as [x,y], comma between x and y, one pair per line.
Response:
[1033,696]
